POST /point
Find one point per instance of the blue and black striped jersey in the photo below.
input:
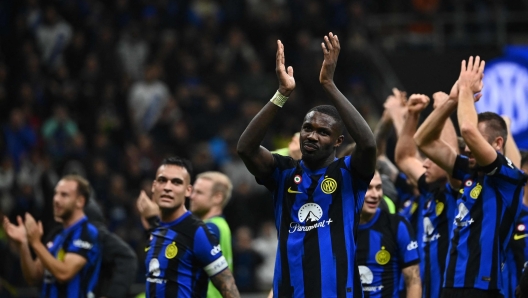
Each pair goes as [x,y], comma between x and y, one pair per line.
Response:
[316,215]
[488,206]
[516,255]
[181,255]
[439,207]
[386,245]
[81,238]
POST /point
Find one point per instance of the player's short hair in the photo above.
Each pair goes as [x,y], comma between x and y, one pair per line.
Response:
[178,161]
[330,111]
[221,184]
[83,186]
[495,126]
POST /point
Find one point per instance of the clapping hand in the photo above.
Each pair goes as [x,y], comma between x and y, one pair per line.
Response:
[285,76]
[331,48]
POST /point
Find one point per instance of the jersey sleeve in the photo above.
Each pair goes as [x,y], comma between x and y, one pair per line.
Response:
[461,167]
[213,228]
[208,252]
[281,163]
[407,244]
[506,178]
[83,241]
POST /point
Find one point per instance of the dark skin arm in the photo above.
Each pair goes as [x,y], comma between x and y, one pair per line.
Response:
[364,156]
[258,160]
[225,284]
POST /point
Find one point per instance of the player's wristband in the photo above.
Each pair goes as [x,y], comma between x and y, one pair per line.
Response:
[279,99]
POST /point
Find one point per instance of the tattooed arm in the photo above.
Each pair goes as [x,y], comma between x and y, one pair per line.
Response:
[225,283]
[413,283]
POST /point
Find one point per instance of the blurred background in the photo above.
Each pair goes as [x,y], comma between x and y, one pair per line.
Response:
[109,88]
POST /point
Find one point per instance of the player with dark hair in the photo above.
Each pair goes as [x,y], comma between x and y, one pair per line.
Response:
[489,202]
[387,249]
[318,198]
[69,266]
[182,253]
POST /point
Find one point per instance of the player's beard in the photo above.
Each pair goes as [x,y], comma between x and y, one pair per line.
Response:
[66,214]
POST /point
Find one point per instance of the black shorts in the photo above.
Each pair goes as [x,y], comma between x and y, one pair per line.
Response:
[470,293]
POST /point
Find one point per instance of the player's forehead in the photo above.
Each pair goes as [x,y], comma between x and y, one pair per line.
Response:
[376,179]
[173,172]
[319,119]
[203,184]
[66,186]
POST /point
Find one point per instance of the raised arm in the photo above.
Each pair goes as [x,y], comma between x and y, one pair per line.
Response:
[511,150]
[225,284]
[405,152]
[470,82]
[364,156]
[428,137]
[258,159]
[31,269]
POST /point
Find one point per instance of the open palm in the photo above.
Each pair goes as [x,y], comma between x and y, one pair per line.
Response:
[285,76]
[15,232]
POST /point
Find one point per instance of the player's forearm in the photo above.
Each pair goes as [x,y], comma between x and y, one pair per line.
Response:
[405,146]
[30,270]
[431,128]
[355,124]
[251,138]
[511,150]
[225,284]
[466,113]
[55,267]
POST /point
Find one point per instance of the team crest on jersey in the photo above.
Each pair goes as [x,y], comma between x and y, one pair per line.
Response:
[328,185]
[475,192]
[297,179]
[60,255]
[383,256]
[171,251]
[439,208]
[521,228]
[414,207]
[468,183]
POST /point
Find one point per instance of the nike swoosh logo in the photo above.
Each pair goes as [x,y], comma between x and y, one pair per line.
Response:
[293,191]
[518,237]
[147,248]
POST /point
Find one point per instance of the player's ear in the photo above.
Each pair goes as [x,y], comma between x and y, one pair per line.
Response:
[498,144]
[339,141]
[188,191]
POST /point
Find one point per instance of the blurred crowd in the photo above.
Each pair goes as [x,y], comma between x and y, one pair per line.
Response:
[106,89]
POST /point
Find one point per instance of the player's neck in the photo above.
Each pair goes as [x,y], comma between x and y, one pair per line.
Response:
[172,214]
[215,211]
[365,217]
[76,216]
[319,164]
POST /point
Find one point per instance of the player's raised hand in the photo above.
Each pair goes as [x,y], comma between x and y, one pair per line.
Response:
[17,233]
[34,229]
[439,98]
[471,74]
[331,48]
[285,76]
[146,207]
[417,103]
